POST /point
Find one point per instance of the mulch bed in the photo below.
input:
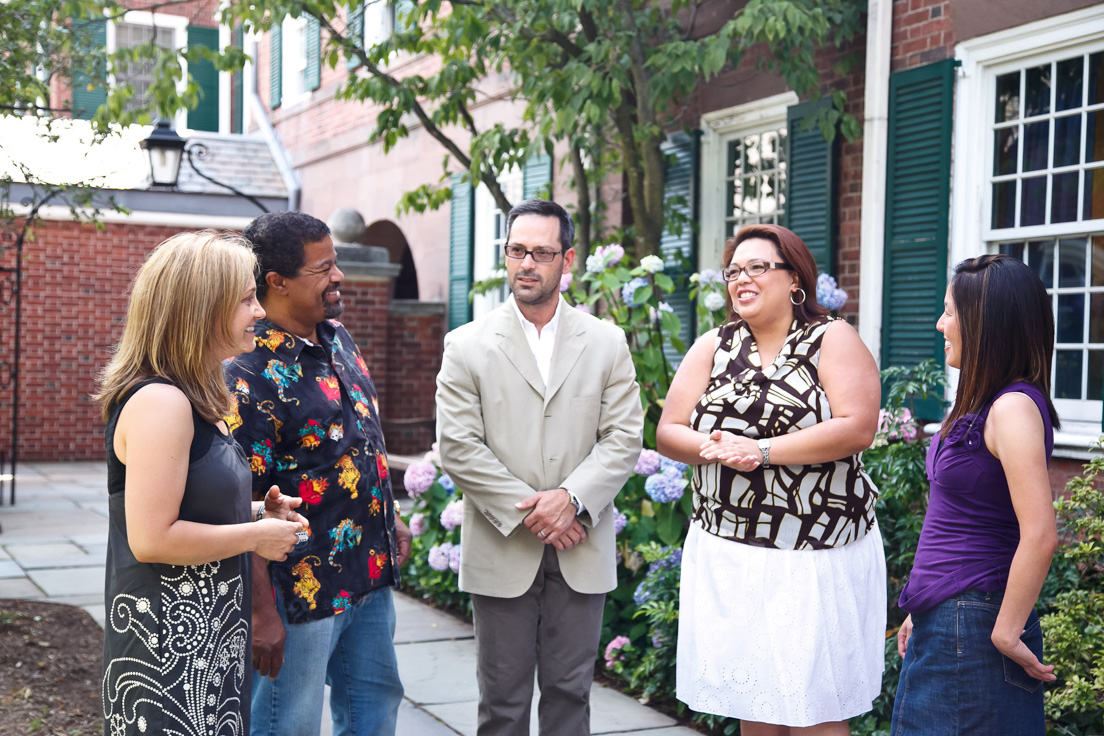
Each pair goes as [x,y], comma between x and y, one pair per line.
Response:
[50,669]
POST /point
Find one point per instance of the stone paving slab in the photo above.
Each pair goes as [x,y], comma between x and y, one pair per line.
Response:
[70,581]
[414,721]
[438,672]
[26,552]
[418,622]
[20,588]
[611,713]
[57,523]
[10,569]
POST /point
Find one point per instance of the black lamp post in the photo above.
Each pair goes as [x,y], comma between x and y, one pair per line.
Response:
[166,149]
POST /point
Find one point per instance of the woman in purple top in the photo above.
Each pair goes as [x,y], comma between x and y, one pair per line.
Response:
[971,644]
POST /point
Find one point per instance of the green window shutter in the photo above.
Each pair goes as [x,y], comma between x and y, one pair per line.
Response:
[404,18]
[536,177]
[275,66]
[205,115]
[87,101]
[810,183]
[314,54]
[355,31]
[461,220]
[680,251]
[237,97]
[918,186]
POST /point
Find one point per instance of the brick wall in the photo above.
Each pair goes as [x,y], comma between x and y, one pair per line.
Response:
[923,32]
[415,343]
[75,287]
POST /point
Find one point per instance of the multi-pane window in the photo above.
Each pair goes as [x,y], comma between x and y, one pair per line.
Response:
[490,238]
[1072,269]
[755,180]
[294,60]
[139,74]
[1048,143]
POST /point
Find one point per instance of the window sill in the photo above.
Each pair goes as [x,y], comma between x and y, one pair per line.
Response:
[1074,441]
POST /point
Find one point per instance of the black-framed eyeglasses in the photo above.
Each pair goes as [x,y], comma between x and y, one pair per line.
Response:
[540,255]
[753,269]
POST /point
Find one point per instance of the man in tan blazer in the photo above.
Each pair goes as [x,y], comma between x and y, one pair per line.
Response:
[539,424]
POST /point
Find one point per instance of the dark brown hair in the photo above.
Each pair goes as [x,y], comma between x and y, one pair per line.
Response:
[793,252]
[1006,326]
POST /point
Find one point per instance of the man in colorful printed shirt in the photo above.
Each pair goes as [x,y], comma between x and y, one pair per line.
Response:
[308,420]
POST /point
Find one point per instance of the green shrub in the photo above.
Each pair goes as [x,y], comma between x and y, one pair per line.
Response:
[1073,627]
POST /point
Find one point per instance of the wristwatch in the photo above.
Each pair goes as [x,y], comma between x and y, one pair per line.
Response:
[575,502]
[764,447]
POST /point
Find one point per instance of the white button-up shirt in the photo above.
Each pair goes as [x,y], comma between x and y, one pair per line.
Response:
[540,343]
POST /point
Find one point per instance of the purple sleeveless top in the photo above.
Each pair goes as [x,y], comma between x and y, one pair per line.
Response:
[970,531]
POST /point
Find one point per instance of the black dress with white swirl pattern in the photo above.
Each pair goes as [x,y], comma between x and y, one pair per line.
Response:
[176,638]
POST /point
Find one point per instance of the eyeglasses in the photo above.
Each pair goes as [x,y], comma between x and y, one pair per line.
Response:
[753,269]
[540,255]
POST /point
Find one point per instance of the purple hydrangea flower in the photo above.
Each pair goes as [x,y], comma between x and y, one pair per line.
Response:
[647,463]
[620,521]
[419,477]
[438,557]
[642,593]
[565,282]
[417,525]
[611,255]
[628,291]
[454,558]
[664,487]
[453,515]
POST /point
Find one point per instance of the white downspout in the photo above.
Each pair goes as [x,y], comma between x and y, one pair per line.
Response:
[879,49]
[258,115]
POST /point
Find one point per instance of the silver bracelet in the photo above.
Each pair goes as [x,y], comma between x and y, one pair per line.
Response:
[764,447]
[260,511]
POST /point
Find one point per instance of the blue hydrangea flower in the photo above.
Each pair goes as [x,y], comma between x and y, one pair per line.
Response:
[595,264]
[446,483]
[628,291]
[664,487]
[829,295]
[666,463]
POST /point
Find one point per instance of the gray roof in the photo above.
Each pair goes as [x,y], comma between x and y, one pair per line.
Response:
[243,162]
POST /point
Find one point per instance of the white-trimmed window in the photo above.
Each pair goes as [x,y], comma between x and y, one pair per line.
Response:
[294,60]
[489,238]
[1030,104]
[379,22]
[139,27]
[743,170]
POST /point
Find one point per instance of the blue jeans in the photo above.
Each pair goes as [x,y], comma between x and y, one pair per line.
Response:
[352,652]
[955,682]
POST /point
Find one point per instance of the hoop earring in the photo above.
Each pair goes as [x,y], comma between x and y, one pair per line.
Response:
[803,296]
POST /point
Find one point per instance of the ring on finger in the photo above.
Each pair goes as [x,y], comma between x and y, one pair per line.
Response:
[542,533]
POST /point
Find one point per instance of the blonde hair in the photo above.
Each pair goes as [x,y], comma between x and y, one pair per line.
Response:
[182,303]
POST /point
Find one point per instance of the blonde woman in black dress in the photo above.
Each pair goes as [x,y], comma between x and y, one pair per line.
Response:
[783,599]
[176,638]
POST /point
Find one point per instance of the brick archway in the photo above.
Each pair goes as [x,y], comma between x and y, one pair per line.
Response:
[386,234]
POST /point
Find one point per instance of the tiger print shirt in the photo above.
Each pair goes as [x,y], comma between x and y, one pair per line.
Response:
[780,506]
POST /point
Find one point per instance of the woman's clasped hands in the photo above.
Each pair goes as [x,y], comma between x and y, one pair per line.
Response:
[279,526]
[737,452]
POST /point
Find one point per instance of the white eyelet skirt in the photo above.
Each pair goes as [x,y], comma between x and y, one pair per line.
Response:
[786,637]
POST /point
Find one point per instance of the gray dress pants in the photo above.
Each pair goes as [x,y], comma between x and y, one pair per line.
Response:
[550,628]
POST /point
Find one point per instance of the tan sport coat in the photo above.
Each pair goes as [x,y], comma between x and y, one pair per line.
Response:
[504,435]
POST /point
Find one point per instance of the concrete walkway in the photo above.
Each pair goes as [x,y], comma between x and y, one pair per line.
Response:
[52,547]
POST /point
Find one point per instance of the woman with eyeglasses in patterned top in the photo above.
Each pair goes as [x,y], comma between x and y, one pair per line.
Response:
[782,605]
